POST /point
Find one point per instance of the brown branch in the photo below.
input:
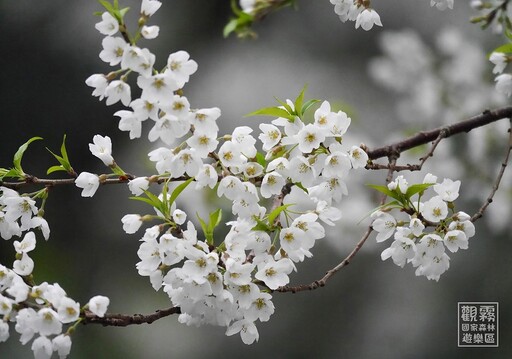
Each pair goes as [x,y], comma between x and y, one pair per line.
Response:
[123,320]
[496,185]
[425,137]
[321,282]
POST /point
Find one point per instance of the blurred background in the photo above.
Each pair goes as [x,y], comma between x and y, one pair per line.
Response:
[371,309]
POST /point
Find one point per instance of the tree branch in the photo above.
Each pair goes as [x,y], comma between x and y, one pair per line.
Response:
[123,320]
[425,137]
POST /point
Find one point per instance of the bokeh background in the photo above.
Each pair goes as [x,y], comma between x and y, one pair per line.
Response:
[372,309]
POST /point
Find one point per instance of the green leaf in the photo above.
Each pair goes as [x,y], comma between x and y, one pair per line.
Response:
[215,218]
[286,106]
[307,105]
[143,199]
[271,111]
[415,188]
[19,154]
[386,191]
[123,11]
[230,27]
[260,226]
[260,158]
[507,48]
[204,226]
[177,191]
[55,169]
[10,173]
[63,159]
[107,6]
[299,100]
[276,212]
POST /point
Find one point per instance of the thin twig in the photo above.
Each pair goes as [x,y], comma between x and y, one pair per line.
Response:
[496,185]
[331,272]
[123,320]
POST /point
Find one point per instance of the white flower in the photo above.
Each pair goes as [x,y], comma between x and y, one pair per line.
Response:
[270,136]
[230,154]
[180,65]
[113,50]
[27,244]
[455,239]
[499,60]
[430,178]
[42,348]
[416,227]
[149,7]
[98,305]
[42,224]
[108,24]
[401,183]
[23,266]
[448,190]
[138,185]
[242,138]
[247,5]
[150,32]
[337,164]
[261,308]
[203,142]
[401,250]
[246,328]
[158,88]
[25,324]
[179,216]
[272,184]
[68,310]
[207,176]
[48,322]
[367,18]
[62,345]
[275,274]
[131,223]
[118,91]
[4,331]
[504,84]
[310,138]
[327,214]
[89,182]
[442,4]
[358,157]
[131,122]
[99,82]
[435,209]
[385,224]
[102,148]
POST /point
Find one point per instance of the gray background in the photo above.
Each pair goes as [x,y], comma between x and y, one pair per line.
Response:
[372,309]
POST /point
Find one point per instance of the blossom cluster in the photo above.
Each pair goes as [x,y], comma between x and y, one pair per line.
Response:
[358,11]
[413,241]
[229,283]
[364,15]
[38,310]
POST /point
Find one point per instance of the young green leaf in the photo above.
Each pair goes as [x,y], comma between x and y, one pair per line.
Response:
[19,154]
[107,6]
[276,212]
[177,191]
[260,158]
[415,188]
[299,101]
[215,218]
[271,111]
[386,191]
[261,226]
[307,105]
[507,48]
